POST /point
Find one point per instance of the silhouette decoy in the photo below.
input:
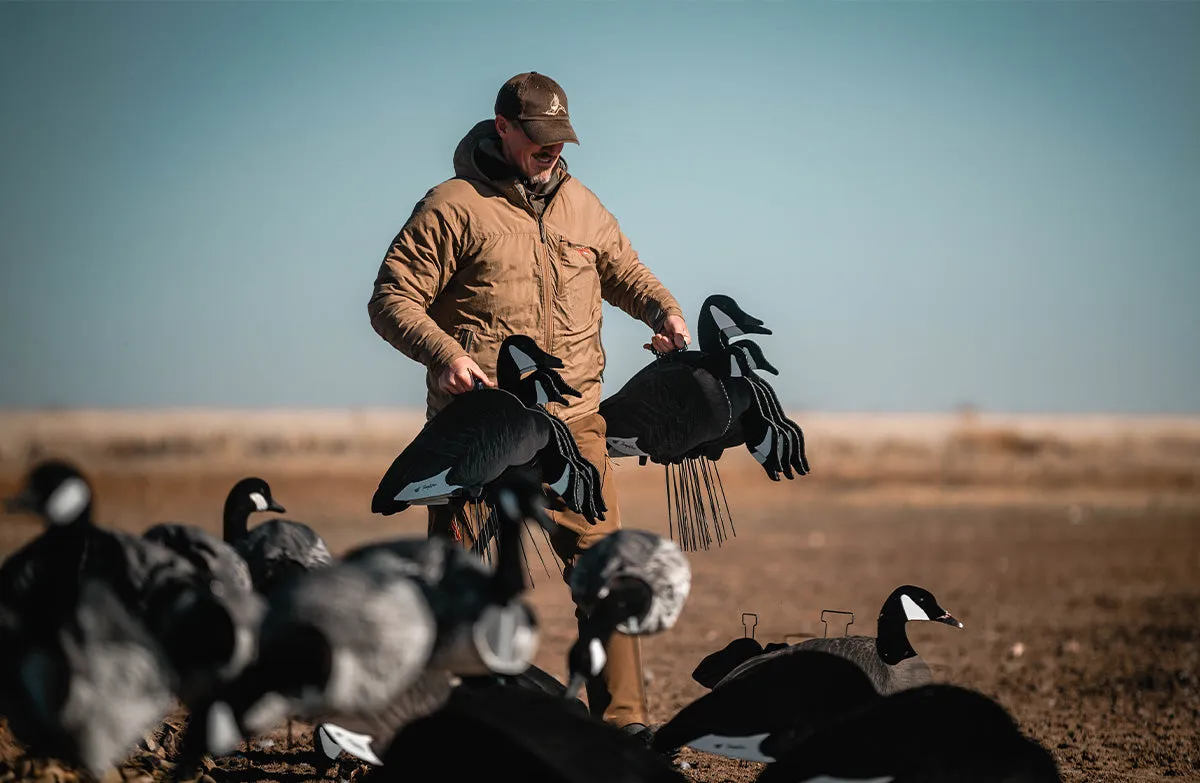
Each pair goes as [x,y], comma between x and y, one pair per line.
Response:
[686,407]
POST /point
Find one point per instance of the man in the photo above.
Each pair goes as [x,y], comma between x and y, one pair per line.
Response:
[515,244]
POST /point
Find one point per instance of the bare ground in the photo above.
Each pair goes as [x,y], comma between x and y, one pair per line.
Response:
[1073,564]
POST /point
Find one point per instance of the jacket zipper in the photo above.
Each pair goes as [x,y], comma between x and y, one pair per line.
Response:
[546,304]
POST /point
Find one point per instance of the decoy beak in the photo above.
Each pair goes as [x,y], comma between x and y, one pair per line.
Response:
[20,504]
[948,619]
[274,506]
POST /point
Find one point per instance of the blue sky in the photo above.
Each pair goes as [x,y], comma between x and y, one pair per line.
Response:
[930,203]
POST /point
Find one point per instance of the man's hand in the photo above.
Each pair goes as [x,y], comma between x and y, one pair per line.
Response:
[459,376]
[674,334]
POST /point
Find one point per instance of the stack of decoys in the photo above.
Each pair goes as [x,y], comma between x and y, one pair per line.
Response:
[686,407]
[484,433]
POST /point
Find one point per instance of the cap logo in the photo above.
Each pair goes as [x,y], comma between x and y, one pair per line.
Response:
[555,106]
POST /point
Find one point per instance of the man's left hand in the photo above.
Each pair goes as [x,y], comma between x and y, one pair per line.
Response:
[673,334]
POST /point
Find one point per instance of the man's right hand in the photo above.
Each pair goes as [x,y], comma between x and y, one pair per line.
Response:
[459,376]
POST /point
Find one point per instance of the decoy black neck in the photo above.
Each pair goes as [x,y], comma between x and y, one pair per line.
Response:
[509,579]
[891,637]
[627,598]
[236,518]
[304,659]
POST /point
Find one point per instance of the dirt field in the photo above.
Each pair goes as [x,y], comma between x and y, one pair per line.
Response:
[1070,549]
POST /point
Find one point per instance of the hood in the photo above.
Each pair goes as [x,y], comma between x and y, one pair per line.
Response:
[478,157]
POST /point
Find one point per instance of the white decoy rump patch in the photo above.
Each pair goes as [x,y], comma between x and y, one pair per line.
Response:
[259,501]
[597,655]
[434,486]
[911,610]
[68,500]
[223,733]
[624,447]
[748,747]
[334,738]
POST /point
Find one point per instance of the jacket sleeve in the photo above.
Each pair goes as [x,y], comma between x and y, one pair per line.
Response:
[416,268]
[628,284]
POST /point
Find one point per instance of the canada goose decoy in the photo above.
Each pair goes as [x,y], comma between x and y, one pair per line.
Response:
[937,733]
[345,638]
[685,408]
[482,433]
[632,581]
[277,550]
[888,658]
[761,714]
[527,734]
[484,629]
[208,553]
[86,696]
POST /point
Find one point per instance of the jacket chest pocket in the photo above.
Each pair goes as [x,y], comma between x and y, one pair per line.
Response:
[578,284]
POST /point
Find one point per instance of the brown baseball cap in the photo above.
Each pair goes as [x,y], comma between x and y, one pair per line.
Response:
[539,105]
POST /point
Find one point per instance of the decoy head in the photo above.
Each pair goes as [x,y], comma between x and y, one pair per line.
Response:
[721,320]
[57,491]
[749,356]
[636,578]
[916,603]
[526,355]
[543,386]
[253,494]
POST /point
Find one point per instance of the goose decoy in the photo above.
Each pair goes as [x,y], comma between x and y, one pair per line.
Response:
[527,734]
[632,581]
[207,553]
[715,666]
[205,636]
[277,550]
[888,658]
[685,408]
[929,734]
[87,695]
[486,634]
[761,714]
[482,433]
[345,638]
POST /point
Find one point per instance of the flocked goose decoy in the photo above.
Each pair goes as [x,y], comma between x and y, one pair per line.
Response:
[933,733]
[345,638]
[485,630]
[888,658]
[685,408]
[277,550]
[482,433]
[86,696]
[632,581]
[42,581]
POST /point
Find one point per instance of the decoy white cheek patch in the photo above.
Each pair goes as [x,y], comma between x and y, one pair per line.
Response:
[724,322]
[542,396]
[524,361]
[68,500]
[911,610]
[735,369]
[334,738]
[259,501]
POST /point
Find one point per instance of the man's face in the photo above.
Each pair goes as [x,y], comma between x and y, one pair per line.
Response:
[534,161]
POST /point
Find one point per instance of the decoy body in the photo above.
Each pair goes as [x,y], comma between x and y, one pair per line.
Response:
[760,714]
[935,733]
[524,733]
[631,581]
[888,659]
[483,433]
[685,408]
[275,551]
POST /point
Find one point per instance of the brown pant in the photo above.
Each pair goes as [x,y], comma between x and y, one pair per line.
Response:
[621,697]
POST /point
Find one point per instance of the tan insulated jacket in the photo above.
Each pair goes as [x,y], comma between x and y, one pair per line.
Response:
[474,264]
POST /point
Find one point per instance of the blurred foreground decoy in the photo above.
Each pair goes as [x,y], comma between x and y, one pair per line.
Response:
[932,734]
[685,408]
[518,733]
[631,581]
